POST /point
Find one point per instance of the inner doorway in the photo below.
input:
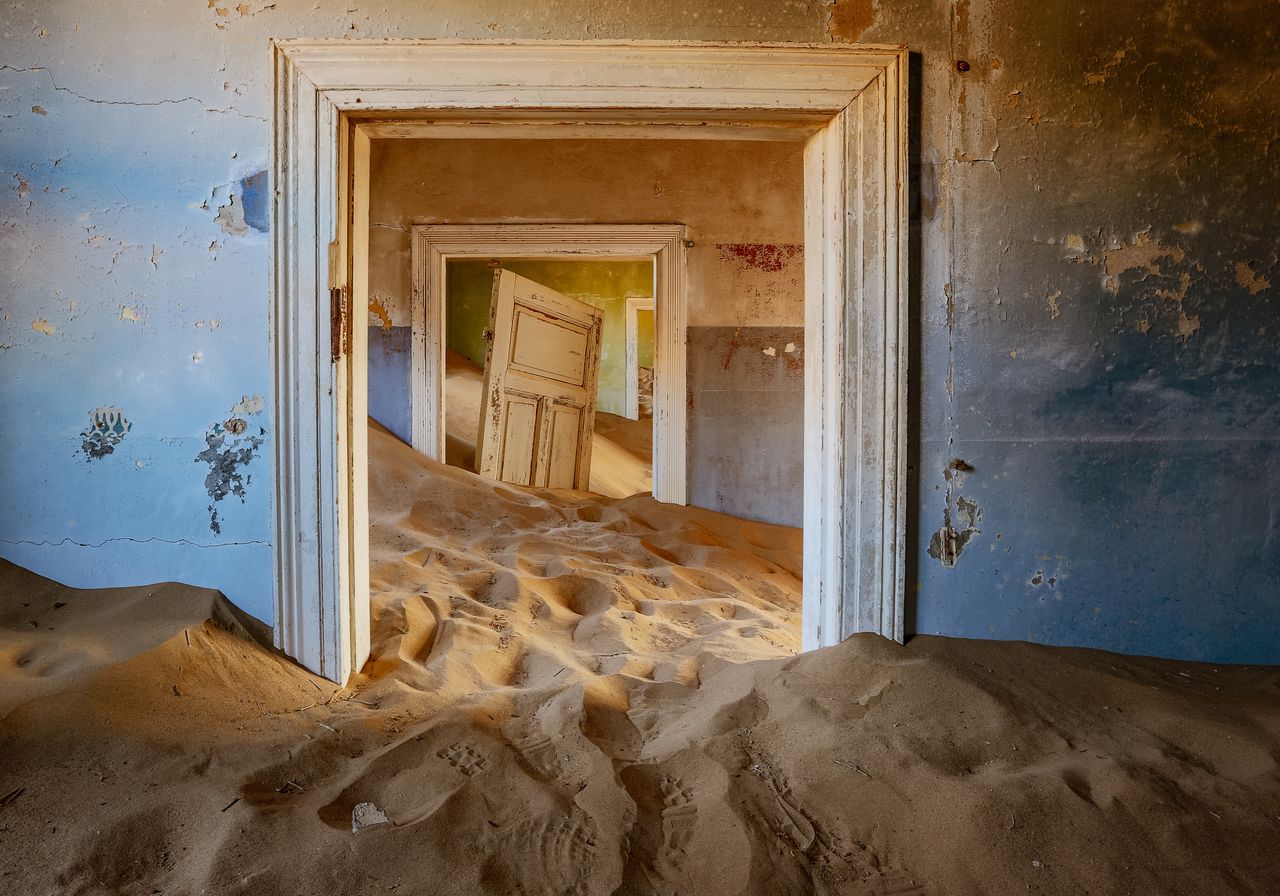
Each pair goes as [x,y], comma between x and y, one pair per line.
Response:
[650,264]
[543,370]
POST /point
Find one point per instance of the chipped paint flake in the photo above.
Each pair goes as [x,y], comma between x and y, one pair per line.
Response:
[771,257]
[107,429]
[40,325]
[1055,306]
[1250,279]
[1188,324]
[129,313]
[379,315]
[848,19]
[246,406]
[1142,253]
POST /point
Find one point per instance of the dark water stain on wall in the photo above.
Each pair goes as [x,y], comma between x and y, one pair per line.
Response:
[255,196]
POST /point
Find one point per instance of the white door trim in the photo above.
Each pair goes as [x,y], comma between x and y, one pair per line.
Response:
[847,102]
[631,387]
[434,244]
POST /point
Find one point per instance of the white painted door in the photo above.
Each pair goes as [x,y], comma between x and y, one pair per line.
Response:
[540,376]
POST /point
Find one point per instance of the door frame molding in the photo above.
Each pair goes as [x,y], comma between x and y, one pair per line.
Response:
[631,387]
[846,103]
[432,245]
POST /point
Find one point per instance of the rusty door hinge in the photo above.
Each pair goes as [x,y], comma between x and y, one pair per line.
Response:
[337,322]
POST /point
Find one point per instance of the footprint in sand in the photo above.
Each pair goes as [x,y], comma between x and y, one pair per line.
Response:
[679,813]
[465,759]
[551,854]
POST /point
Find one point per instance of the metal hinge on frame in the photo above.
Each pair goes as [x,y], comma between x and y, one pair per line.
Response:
[337,322]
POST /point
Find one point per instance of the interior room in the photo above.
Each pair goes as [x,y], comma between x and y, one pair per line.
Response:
[628,449]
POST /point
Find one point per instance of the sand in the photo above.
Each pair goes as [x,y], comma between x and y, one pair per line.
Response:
[576,695]
[621,449]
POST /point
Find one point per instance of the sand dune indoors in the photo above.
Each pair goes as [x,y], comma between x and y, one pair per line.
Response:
[577,695]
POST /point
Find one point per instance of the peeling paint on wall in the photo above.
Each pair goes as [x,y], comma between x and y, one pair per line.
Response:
[40,325]
[848,19]
[107,429]
[229,448]
[949,542]
[248,405]
[379,316]
[1251,280]
[760,256]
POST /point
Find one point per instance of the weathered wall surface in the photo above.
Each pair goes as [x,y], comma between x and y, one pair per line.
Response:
[1099,322]
[1096,296]
[741,203]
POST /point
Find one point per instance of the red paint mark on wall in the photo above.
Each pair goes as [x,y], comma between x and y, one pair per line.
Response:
[760,256]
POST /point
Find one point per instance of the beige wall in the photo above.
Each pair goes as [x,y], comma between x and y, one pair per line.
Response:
[731,195]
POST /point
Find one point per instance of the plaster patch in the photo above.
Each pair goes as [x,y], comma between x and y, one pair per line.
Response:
[848,19]
[230,217]
[1055,306]
[378,314]
[1188,324]
[1143,252]
[107,429]
[1250,279]
[1108,69]
[247,405]
[771,257]
[949,542]
[40,325]
[1176,295]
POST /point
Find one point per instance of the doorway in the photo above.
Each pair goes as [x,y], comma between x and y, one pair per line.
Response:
[435,247]
[845,104]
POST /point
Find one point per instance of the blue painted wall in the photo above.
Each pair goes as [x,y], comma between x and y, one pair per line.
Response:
[1094,270]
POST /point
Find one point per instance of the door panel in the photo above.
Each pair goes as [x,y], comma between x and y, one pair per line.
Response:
[562,453]
[540,377]
[519,439]
[549,348]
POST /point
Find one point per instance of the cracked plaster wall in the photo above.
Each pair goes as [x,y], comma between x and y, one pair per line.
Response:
[1094,288]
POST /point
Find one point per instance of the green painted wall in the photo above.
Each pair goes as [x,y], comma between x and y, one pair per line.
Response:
[644,338]
[604,284]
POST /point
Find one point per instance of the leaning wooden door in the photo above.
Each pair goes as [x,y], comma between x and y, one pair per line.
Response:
[540,375]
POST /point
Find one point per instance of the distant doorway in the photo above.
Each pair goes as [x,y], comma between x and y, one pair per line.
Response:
[441,254]
[538,355]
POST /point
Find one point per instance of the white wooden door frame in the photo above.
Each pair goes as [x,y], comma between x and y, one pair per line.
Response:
[847,103]
[434,244]
[631,385]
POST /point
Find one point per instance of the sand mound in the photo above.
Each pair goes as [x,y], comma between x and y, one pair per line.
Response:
[621,449]
[518,733]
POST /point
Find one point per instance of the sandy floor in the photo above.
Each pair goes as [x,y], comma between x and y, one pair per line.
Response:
[621,449]
[555,707]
